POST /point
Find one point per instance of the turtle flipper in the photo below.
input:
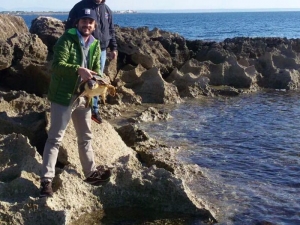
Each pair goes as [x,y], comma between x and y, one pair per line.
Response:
[88,100]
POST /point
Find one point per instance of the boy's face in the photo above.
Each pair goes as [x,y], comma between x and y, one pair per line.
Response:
[86,26]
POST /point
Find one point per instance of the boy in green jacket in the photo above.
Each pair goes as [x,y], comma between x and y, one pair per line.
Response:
[76,58]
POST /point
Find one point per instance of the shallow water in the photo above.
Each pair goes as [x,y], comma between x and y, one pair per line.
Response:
[248,147]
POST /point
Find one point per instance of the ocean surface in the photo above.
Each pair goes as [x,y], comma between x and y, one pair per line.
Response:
[212,26]
[248,146]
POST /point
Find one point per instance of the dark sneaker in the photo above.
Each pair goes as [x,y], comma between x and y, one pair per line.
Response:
[99,177]
[46,189]
[97,118]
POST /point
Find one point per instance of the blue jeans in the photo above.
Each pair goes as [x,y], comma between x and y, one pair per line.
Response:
[95,108]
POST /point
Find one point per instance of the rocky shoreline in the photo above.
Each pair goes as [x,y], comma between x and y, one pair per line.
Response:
[153,67]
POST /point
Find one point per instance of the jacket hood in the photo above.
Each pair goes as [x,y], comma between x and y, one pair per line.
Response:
[103,1]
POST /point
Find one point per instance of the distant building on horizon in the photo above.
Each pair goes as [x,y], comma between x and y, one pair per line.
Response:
[56,12]
[125,11]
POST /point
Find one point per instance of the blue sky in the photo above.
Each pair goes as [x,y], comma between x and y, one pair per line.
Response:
[63,5]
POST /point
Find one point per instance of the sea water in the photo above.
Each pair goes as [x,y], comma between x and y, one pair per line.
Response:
[211,26]
[248,147]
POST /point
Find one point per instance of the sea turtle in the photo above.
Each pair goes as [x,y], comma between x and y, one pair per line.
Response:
[95,87]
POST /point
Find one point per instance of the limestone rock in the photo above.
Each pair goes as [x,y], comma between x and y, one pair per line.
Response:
[147,84]
[130,77]
[174,44]
[189,85]
[238,76]
[24,113]
[155,90]
[257,60]
[6,55]
[285,79]
[136,47]
[28,49]
[48,29]
[27,69]
[11,25]
[126,96]
[131,135]
[21,165]
[152,114]
[132,183]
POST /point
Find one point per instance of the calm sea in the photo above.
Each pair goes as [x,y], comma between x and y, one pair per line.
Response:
[212,26]
[248,146]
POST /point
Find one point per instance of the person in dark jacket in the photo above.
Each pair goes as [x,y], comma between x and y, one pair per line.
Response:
[104,32]
[76,58]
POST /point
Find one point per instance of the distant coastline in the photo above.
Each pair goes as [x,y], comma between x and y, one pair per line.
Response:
[45,13]
[51,12]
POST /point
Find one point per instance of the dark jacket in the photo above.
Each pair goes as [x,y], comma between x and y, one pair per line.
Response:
[105,31]
[66,61]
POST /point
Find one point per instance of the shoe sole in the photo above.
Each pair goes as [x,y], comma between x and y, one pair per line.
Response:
[97,121]
[98,182]
[43,196]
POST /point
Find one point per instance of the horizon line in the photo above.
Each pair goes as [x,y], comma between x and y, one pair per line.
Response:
[169,10]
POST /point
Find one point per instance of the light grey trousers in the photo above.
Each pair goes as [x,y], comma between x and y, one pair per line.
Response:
[60,116]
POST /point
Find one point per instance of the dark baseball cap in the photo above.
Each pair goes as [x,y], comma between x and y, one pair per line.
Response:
[87,13]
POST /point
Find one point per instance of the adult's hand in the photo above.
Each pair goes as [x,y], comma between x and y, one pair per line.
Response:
[85,73]
[113,54]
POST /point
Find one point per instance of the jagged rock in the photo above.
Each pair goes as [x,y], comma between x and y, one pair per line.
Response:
[174,44]
[27,69]
[110,68]
[28,49]
[11,25]
[24,113]
[285,79]
[20,186]
[252,48]
[6,55]
[238,76]
[152,114]
[136,47]
[130,78]
[48,30]
[126,96]
[152,153]
[273,57]
[148,84]
[155,90]
[263,57]
[207,51]
[109,111]
[131,184]
[131,134]
[225,91]
[230,72]
[188,84]
[272,65]
[215,72]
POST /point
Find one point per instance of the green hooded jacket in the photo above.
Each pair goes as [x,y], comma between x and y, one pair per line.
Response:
[66,61]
